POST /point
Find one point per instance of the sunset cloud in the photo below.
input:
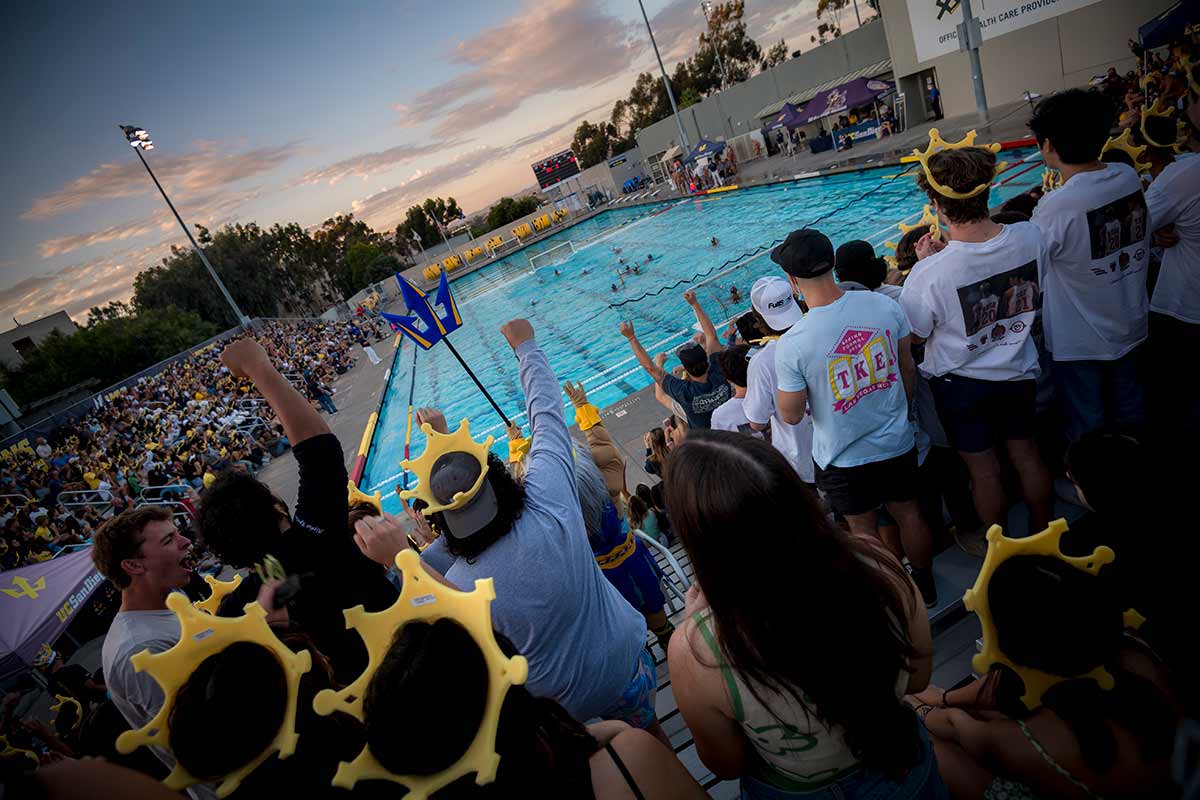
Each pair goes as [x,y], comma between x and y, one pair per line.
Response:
[368,164]
[202,171]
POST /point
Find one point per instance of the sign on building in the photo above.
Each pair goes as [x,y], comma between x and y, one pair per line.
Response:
[934,22]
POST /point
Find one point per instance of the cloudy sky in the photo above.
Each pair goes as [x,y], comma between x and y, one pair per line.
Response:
[294,111]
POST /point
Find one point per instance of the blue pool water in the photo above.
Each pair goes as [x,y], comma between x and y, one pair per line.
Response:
[569,312]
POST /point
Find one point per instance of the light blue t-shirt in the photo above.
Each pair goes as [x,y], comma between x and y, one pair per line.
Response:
[583,640]
[845,355]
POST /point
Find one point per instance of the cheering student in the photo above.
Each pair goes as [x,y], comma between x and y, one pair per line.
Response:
[144,555]
[244,523]
[980,357]
[1093,276]
[848,360]
[586,645]
[707,388]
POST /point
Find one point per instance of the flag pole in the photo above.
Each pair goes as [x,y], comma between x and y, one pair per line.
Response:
[412,385]
[507,422]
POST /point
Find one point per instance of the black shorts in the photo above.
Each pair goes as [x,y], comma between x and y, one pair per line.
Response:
[978,415]
[857,490]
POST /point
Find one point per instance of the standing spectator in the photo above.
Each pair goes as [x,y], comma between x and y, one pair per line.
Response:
[1173,200]
[850,355]
[776,311]
[935,99]
[830,726]
[707,389]
[730,416]
[1093,278]
[980,356]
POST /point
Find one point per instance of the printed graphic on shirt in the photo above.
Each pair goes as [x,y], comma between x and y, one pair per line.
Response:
[985,304]
[861,363]
[1117,225]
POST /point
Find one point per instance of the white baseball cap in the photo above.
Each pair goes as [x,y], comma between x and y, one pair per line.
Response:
[772,298]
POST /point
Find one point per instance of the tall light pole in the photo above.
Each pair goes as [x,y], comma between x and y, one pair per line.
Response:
[706,7]
[140,140]
[666,81]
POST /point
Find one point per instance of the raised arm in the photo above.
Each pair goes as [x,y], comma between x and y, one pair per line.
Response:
[712,342]
[654,370]
[246,358]
[549,471]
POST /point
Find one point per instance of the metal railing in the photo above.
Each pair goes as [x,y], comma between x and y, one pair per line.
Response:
[72,499]
[24,498]
[679,592]
[168,495]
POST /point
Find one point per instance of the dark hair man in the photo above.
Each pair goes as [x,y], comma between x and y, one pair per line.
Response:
[707,389]
[243,522]
[848,360]
[982,362]
[146,557]
[1093,275]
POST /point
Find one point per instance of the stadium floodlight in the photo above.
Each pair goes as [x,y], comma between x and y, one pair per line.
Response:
[140,140]
[706,7]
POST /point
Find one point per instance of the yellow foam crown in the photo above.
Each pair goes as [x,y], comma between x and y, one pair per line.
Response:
[219,589]
[356,495]
[424,599]
[1051,179]
[936,145]
[436,446]
[1000,549]
[202,635]
[1124,144]
[1162,109]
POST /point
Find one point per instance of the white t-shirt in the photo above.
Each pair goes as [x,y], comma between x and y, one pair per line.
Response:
[975,302]
[793,441]
[729,416]
[845,355]
[1097,239]
[135,694]
[1174,198]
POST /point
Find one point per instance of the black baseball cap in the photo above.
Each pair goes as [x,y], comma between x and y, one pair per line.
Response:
[805,253]
[457,472]
[693,358]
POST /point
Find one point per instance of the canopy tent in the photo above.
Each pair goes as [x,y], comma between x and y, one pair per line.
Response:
[1169,25]
[672,153]
[705,147]
[852,94]
[788,117]
[38,602]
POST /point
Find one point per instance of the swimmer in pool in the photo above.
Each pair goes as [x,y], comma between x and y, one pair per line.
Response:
[734,295]
[614,287]
[715,241]
[556,272]
[649,257]
[636,271]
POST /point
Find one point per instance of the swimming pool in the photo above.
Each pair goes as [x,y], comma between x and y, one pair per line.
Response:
[570,313]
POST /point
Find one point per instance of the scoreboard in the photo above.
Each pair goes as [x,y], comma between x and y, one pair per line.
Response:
[556,168]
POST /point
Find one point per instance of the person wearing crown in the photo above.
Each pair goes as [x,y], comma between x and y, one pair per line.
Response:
[585,644]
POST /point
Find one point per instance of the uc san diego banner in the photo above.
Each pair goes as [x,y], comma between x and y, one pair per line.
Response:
[934,22]
[38,601]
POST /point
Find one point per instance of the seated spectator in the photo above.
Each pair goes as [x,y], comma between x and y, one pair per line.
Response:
[655,440]
[1080,740]
[974,304]
[1093,276]
[849,361]
[539,743]
[643,518]
[734,668]
[775,311]
[707,388]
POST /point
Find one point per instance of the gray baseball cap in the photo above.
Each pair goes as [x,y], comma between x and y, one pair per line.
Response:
[454,473]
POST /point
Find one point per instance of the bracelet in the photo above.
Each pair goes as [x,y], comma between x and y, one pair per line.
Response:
[945,704]
[923,710]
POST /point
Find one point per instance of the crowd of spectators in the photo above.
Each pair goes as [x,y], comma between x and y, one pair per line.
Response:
[179,428]
[810,463]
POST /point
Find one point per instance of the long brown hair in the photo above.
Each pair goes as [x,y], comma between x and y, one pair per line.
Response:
[805,610]
[658,447]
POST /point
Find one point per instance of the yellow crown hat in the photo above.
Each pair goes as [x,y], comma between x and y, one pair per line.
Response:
[356,495]
[202,635]
[1000,549]
[1051,179]
[218,591]
[1161,109]
[1124,144]
[65,700]
[937,145]
[424,599]
[436,446]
